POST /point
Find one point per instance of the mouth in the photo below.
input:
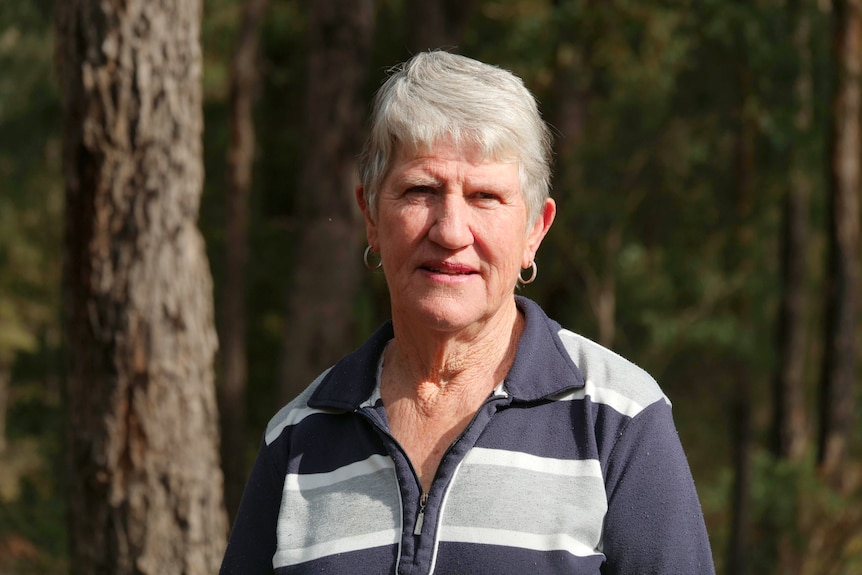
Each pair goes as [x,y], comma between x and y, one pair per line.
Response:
[449,269]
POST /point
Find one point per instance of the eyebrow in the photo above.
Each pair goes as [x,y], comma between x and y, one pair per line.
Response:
[419,176]
[410,180]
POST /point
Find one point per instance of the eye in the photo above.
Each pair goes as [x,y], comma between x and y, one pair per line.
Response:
[424,195]
[486,197]
[420,190]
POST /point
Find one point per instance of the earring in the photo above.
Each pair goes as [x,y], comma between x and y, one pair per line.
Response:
[368,264]
[534,271]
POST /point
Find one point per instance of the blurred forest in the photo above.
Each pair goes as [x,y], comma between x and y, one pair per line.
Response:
[698,179]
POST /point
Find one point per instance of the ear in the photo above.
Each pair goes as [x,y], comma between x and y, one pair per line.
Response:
[370,226]
[538,232]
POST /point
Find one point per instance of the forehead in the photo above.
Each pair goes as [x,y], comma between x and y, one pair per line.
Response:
[447,159]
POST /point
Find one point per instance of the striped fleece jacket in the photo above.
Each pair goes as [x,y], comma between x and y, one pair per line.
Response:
[573,465]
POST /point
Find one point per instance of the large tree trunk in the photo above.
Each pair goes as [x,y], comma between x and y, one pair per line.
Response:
[244,84]
[145,486]
[839,361]
[319,322]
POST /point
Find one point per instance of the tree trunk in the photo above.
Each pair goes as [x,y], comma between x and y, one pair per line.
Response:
[839,361]
[5,392]
[741,447]
[438,23]
[240,160]
[790,424]
[740,263]
[319,322]
[790,421]
[602,286]
[145,486]
[568,104]
[605,296]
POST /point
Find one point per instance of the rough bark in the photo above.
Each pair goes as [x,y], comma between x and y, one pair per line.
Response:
[790,424]
[838,400]
[240,161]
[438,23]
[145,486]
[319,322]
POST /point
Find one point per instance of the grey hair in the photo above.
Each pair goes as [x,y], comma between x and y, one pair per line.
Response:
[438,95]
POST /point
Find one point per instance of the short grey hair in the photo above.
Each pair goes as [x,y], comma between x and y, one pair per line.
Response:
[438,95]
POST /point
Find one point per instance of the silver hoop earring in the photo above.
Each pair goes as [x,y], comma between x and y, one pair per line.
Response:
[368,264]
[534,270]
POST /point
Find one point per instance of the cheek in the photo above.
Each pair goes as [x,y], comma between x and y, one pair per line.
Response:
[510,238]
[406,229]
[397,243]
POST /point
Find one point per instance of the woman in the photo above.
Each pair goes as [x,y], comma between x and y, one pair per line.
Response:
[471,434]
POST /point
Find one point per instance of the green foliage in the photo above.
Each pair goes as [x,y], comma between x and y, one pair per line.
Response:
[31,203]
[795,513]
[792,503]
[33,523]
[32,527]
[32,503]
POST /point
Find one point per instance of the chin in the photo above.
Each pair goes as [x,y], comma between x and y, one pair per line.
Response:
[445,314]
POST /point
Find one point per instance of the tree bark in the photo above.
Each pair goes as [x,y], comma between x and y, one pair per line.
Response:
[838,400]
[240,160]
[145,486]
[319,323]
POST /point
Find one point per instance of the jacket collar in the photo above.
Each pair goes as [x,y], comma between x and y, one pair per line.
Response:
[542,367]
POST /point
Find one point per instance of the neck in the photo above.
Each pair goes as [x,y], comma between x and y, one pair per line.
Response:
[426,366]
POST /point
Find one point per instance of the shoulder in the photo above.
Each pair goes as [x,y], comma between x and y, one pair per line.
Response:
[341,388]
[294,412]
[609,378]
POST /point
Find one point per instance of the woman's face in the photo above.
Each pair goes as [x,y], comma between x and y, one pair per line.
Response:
[451,228]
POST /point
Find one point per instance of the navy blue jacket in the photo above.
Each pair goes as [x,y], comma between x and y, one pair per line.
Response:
[573,465]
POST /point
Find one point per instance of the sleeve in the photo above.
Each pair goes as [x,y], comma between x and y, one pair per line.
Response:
[654,524]
[252,540]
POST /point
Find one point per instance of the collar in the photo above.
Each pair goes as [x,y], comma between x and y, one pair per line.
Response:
[542,367]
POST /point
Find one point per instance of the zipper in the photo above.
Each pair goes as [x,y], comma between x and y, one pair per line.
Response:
[420,517]
[423,498]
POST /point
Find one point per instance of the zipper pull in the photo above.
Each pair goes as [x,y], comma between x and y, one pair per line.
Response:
[420,518]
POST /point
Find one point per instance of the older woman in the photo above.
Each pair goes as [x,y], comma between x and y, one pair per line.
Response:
[471,434]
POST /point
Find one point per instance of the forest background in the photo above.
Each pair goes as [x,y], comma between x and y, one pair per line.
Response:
[699,181]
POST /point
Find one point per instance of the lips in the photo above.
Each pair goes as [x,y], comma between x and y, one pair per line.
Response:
[448,268]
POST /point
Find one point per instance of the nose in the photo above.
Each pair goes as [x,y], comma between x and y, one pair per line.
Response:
[451,225]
